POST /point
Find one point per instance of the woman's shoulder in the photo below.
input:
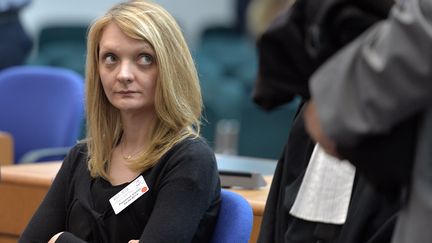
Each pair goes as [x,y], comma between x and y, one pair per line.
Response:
[79,149]
[77,155]
[193,145]
[191,158]
[189,151]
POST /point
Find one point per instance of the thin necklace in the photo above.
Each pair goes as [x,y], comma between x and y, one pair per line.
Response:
[130,156]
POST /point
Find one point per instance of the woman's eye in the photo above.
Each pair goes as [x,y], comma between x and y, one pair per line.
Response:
[109,59]
[145,59]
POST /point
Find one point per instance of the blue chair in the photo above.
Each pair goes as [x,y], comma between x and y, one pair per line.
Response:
[235,219]
[42,108]
[57,41]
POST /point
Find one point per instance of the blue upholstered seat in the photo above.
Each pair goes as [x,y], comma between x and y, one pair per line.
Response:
[42,108]
[235,219]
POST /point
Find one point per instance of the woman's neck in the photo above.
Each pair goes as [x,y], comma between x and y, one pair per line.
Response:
[137,128]
[136,131]
[135,139]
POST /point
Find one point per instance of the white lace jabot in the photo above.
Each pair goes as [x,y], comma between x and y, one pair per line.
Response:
[325,192]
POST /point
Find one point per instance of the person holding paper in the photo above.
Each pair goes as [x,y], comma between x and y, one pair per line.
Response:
[143,172]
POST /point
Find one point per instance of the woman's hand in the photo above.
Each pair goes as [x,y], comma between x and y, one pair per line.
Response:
[133,241]
[55,237]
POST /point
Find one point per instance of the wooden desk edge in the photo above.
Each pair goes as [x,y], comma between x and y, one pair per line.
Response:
[36,174]
[258,207]
[23,179]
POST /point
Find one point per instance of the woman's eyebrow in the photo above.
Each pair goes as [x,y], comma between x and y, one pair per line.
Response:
[112,47]
[148,46]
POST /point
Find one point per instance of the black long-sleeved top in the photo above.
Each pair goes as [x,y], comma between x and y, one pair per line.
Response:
[181,205]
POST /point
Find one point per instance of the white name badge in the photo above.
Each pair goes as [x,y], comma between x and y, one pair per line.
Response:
[129,194]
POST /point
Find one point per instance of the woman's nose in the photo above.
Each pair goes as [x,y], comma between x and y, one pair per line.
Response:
[125,74]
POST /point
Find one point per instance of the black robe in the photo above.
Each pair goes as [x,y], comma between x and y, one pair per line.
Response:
[293,47]
[371,215]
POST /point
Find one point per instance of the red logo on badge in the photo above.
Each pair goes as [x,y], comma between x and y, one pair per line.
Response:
[144,189]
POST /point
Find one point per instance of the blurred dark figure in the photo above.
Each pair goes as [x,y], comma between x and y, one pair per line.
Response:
[261,13]
[240,15]
[383,80]
[15,44]
[299,41]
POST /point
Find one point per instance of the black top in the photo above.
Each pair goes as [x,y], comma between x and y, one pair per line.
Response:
[181,205]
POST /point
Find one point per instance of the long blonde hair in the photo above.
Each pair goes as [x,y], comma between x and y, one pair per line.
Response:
[178,101]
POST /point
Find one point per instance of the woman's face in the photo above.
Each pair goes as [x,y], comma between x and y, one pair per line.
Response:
[128,71]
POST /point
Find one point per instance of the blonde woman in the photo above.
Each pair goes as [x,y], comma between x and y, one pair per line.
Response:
[143,173]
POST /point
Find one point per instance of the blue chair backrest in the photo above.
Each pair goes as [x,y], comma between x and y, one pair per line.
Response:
[235,219]
[42,107]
